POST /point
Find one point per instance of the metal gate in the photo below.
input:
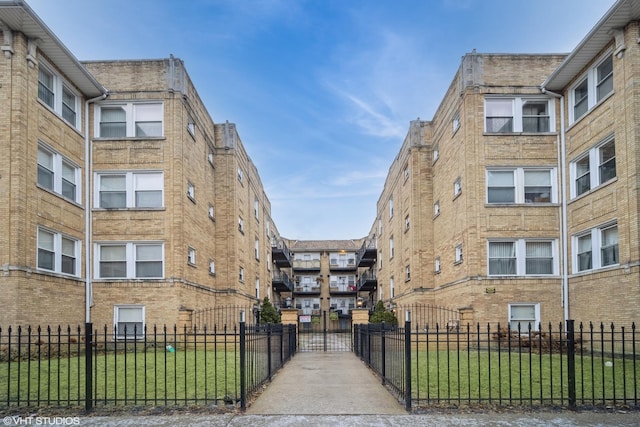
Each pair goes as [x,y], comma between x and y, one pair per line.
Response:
[324,332]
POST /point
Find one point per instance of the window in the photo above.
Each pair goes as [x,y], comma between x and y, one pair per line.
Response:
[256,208]
[257,288]
[521,185]
[458,258]
[518,114]
[130,120]
[212,213]
[128,321]
[191,191]
[522,257]
[437,265]
[407,224]
[191,256]
[593,168]
[391,248]
[241,274]
[436,208]
[596,248]
[436,152]
[141,190]
[130,260]
[58,253]
[210,158]
[593,87]
[524,317]
[53,91]
[241,225]
[240,175]
[58,174]
[457,187]
[406,172]
[256,249]
[212,267]
[390,207]
[392,287]
[407,273]
[379,227]
[191,126]
[456,121]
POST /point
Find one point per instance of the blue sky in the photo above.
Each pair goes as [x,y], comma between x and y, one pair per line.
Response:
[321,91]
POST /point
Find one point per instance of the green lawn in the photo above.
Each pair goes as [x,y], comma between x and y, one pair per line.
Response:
[151,377]
[474,376]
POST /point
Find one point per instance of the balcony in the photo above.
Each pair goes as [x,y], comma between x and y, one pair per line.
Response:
[368,281]
[306,289]
[336,264]
[281,282]
[343,310]
[342,288]
[280,253]
[367,254]
[306,264]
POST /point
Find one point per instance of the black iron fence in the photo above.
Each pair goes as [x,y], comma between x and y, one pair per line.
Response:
[590,365]
[156,366]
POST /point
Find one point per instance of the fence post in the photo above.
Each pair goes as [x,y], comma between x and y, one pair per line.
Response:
[88,366]
[324,329]
[407,361]
[243,356]
[571,363]
[269,361]
[384,355]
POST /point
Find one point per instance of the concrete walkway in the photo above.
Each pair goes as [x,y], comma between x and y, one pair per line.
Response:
[321,383]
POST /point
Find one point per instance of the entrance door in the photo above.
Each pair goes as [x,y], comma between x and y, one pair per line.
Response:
[324,332]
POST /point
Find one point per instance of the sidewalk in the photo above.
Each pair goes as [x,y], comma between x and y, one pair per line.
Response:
[320,383]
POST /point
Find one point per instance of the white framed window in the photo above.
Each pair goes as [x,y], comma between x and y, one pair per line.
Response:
[57,95]
[379,227]
[521,185]
[436,152]
[406,172]
[519,114]
[191,126]
[210,158]
[524,317]
[241,225]
[191,256]
[593,168]
[407,273]
[522,257]
[212,266]
[191,191]
[58,174]
[258,288]
[256,249]
[129,120]
[457,187]
[390,207]
[212,212]
[240,175]
[128,321]
[129,260]
[256,208]
[379,260]
[241,274]
[437,265]
[121,190]
[596,248]
[458,254]
[58,253]
[392,287]
[456,121]
[391,247]
[436,208]
[407,223]
[594,86]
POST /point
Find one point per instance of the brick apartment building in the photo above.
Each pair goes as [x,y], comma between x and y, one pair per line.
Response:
[518,201]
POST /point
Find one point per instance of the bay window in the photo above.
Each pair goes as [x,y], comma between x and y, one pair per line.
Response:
[596,248]
[593,168]
[593,87]
[58,174]
[57,253]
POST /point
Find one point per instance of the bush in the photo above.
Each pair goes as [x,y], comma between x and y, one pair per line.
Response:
[268,313]
[381,314]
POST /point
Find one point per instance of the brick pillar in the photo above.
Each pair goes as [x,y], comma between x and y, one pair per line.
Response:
[466,317]
[185,318]
[289,316]
[359,316]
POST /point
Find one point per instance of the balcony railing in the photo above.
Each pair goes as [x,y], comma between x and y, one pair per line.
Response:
[338,287]
[368,281]
[281,282]
[367,254]
[306,264]
[280,253]
[307,289]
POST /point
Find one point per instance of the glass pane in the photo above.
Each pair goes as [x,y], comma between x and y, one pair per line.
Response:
[68,264]
[149,199]
[610,236]
[149,269]
[584,261]
[539,266]
[68,189]
[541,178]
[45,240]
[45,177]
[535,124]
[147,181]
[113,114]
[610,255]
[500,124]
[68,247]
[499,107]
[148,252]
[148,112]
[45,159]
[130,329]
[502,266]
[113,269]
[580,104]
[500,178]
[129,314]
[523,312]
[605,78]
[501,195]
[584,244]
[46,259]
[112,182]
[113,199]
[45,87]
[113,253]
[113,122]
[148,129]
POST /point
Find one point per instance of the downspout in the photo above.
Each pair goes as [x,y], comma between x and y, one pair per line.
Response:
[88,290]
[562,148]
